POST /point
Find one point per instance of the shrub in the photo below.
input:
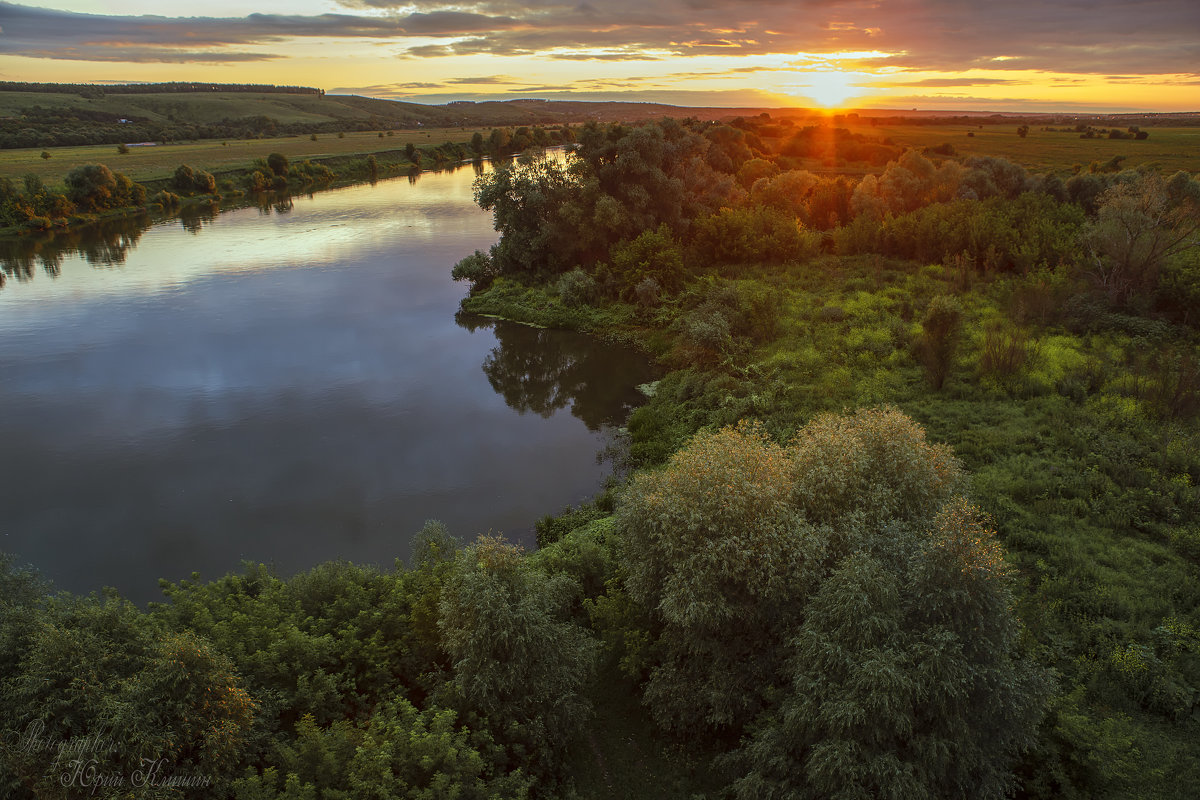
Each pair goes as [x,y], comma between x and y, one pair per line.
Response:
[1004,351]
[477,269]
[938,343]
[166,199]
[278,163]
[576,288]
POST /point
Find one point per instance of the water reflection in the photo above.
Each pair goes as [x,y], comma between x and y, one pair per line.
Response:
[105,244]
[284,384]
[194,218]
[543,371]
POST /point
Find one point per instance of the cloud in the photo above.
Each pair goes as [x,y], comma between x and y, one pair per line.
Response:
[1097,37]
[943,82]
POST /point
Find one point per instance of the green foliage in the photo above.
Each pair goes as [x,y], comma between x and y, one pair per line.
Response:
[85,668]
[748,236]
[398,752]
[1141,221]
[526,199]
[847,569]
[576,288]
[653,255]
[478,269]
[277,163]
[95,188]
[709,547]
[189,181]
[940,332]
[516,657]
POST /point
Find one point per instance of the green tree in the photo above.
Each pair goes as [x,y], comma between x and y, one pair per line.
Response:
[94,187]
[278,163]
[836,602]
[517,658]
[526,199]
[903,676]
[710,546]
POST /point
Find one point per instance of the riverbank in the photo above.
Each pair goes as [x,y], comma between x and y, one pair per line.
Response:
[235,187]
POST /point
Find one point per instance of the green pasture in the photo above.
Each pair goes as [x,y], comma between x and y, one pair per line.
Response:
[158,161]
[1170,149]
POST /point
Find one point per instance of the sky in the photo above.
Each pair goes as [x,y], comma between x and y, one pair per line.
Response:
[1000,55]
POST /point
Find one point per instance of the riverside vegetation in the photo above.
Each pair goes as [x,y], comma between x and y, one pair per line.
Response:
[911,514]
[80,194]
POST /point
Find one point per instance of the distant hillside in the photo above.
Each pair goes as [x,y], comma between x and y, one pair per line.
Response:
[57,118]
[80,114]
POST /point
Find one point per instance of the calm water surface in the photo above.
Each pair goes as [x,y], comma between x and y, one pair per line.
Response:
[284,384]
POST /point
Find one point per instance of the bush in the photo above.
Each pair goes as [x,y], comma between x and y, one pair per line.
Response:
[1004,351]
[938,343]
[576,288]
[477,269]
[278,163]
[166,199]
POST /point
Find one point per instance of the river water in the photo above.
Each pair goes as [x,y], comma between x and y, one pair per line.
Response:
[286,384]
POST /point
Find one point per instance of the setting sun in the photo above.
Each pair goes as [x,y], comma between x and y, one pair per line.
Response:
[829,88]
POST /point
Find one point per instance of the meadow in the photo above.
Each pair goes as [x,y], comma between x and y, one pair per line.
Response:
[1168,149]
[156,162]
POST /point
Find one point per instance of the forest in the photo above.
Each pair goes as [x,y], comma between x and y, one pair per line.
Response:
[911,513]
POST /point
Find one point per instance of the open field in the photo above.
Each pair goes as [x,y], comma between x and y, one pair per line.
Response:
[1058,151]
[157,162]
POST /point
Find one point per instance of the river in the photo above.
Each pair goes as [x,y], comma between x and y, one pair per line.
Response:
[285,384]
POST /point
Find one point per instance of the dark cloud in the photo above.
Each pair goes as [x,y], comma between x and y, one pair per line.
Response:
[481,80]
[1126,37]
[927,102]
[152,55]
[946,82]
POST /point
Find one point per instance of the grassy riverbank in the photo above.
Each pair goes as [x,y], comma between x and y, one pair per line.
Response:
[157,162]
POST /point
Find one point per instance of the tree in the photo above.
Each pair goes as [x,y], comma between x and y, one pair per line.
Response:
[1023,131]
[278,163]
[526,199]
[836,604]
[1141,221]
[709,547]
[517,659]
[95,187]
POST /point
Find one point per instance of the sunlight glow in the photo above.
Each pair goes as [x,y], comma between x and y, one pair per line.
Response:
[829,88]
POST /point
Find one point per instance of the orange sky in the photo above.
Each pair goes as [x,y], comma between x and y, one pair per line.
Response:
[931,54]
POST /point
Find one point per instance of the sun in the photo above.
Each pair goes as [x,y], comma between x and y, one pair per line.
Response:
[829,88]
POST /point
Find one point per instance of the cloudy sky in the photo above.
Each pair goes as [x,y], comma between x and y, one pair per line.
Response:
[947,54]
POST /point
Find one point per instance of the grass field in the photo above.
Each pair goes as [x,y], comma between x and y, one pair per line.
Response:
[156,162]
[1041,151]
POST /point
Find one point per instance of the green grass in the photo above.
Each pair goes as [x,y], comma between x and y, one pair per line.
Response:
[159,161]
[1056,151]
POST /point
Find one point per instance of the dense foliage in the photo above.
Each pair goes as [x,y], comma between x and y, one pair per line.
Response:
[812,602]
[1043,325]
